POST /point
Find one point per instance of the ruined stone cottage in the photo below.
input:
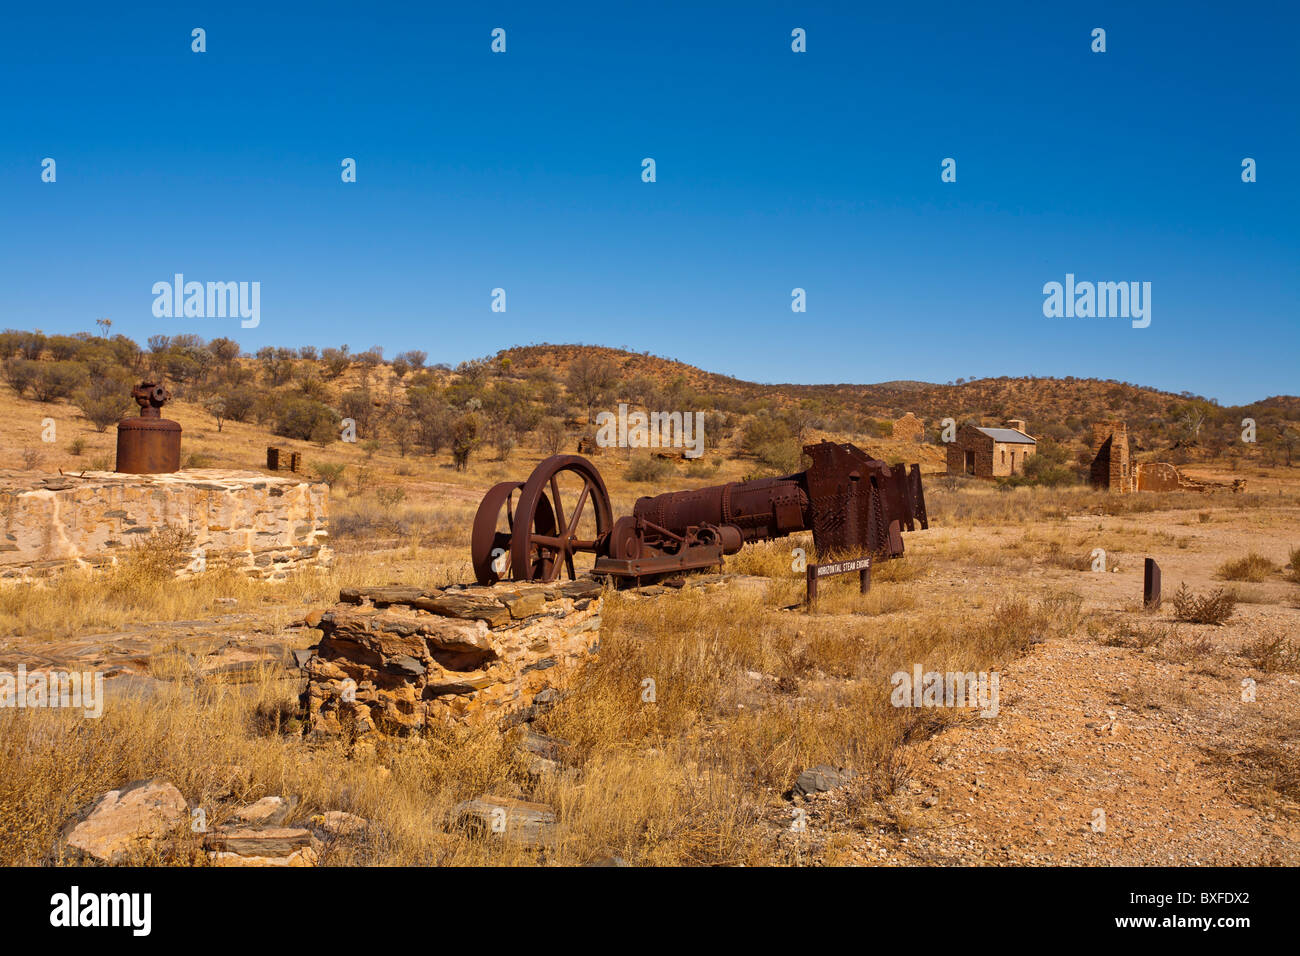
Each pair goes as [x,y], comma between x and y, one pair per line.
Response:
[1111,469]
[990,452]
[909,428]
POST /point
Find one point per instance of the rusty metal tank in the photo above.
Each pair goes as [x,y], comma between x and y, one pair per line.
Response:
[149,444]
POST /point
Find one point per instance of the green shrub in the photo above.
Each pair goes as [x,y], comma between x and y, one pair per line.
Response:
[306,419]
[55,380]
[20,373]
[464,439]
[328,472]
[104,400]
[648,469]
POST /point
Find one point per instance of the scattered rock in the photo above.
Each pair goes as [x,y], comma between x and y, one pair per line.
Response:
[272,846]
[123,822]
[267,812]
[822,779]
[338,823]
[253,841]
[531,824]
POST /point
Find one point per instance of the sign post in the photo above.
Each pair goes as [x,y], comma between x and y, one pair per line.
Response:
[818,571]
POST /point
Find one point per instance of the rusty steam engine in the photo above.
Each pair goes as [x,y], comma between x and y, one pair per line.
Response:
[855,505]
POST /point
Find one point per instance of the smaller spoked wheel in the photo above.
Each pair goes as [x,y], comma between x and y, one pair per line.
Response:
[494,526]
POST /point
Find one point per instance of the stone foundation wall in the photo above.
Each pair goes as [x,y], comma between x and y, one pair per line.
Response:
[266,525]
[395,659]
[1157,476]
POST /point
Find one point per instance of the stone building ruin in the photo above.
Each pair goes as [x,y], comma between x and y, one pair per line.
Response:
[1113,470]
[991,452]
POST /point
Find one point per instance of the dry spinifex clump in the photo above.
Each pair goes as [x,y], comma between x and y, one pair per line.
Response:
[1213,608]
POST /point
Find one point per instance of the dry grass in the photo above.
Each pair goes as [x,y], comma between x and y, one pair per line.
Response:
[1212,608]
[1142,637]
[686,779]
[1273,653]
[1252,567]
[693,778]
[1266,776]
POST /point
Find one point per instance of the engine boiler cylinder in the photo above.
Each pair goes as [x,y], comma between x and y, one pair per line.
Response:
[148,444]
[763,508]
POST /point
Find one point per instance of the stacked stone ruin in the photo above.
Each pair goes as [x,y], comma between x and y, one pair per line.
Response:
[264,525]
[909,428]
[1113,470]
[398,659]
[1110,462]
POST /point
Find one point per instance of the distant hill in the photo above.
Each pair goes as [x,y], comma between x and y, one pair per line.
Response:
[547,394]
[1060,409]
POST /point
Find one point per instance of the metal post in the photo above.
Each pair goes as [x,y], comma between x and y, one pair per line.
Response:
[1151,584]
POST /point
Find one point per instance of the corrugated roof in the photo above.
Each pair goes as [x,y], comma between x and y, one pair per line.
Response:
[1008,435]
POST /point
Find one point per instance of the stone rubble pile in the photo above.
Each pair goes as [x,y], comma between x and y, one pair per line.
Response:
[396,659]
[148,820]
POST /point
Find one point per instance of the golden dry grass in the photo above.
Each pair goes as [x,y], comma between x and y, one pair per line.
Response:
[746,695]
[747,692]
[1251,567]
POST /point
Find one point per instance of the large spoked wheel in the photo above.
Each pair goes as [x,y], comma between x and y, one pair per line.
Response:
[563,509]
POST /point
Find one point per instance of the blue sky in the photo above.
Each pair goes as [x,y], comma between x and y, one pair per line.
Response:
[775,170]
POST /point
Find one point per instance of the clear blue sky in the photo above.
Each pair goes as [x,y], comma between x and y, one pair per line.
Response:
[775,170]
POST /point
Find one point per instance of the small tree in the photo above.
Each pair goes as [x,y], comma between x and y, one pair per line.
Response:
[215,406]
[553,435]
[56,380]
[306,420]
[589,380]
[20,373]
[359,405]
[328,472]
[464,439]
[400,427]
[104,401]
[1288,438]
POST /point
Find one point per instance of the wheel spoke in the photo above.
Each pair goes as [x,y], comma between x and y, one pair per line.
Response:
[559,505]
[577,509]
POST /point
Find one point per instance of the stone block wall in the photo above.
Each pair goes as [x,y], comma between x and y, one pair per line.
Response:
[397,659]
[909,428]
[265,525]
[1157,476]
[970,440]
[1110,463]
